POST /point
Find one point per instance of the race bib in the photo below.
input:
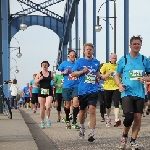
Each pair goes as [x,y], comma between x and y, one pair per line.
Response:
[90,79]
[70,77]
[135,74]
[44,91]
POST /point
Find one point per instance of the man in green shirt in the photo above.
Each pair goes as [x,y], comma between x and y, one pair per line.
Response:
[59,79]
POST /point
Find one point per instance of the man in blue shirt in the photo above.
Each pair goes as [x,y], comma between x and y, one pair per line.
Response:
[70,89]
[87,69]
[34,99]
[132,69]
[26,95]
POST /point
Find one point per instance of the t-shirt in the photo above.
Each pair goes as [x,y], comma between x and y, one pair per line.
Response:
[26,91]
[34,89]
[131,73]
[69,81]
[87,81]
[109,83]
[59,79]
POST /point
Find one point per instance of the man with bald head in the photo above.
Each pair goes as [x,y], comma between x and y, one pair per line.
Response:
[111,90]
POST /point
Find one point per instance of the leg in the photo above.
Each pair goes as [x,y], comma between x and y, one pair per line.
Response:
[101,101]
[116,96]
[92,101]
[67,97]
[108,101]
[59,100]
[42,108]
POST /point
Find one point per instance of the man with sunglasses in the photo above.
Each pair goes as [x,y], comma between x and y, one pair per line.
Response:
[132,68]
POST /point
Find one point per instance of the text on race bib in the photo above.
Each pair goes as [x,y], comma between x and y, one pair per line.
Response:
[90,79]
[44,91]
[70,77]
[135,74]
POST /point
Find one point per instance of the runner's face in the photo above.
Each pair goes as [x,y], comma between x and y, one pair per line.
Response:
[72,56]
[113,59]
[88,51]
[45,66]
[136,46]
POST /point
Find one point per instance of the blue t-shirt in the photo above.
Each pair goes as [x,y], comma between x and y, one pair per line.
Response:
[34,90]
[26,91]
[87,81]
[69,81]
[52,83]
[131,73]
[101,85]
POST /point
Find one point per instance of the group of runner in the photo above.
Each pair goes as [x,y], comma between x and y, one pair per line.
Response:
[81,82]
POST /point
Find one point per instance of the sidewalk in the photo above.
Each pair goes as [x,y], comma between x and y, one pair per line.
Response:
[14,134]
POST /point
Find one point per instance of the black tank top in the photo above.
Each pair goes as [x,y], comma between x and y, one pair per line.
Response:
[46,81]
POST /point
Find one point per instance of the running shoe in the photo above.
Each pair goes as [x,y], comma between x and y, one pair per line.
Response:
[123,143]
[81,134]
[108,122]
[91,138]
[42,125]
[134,145]
[68,126]
[48,122]
[117,123]
[75,126]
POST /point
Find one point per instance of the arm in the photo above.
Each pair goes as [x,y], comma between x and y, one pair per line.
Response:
[118,78]
[37,78]
[77,73]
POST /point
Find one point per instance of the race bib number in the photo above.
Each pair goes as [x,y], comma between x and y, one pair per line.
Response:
[135,74]
[44,91]
[90,79]
[70,77]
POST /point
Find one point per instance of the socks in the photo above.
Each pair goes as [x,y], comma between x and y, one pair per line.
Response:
[125,135]
[82,128]
[132,140]
[75,113]
[92,132]
[67,111]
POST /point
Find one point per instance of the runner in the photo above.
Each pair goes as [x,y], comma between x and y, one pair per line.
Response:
[148,97]
[111,90]
[59,83]
[87,69]
[70,89]
[132,68]
[26,95]
[45,94]
[35,89]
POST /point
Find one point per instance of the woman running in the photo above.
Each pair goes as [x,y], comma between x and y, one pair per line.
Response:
[45,94]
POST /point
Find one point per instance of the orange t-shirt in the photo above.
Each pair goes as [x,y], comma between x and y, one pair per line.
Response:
[148,89]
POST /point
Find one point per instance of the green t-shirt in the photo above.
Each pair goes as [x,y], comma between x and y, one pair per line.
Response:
[59,79]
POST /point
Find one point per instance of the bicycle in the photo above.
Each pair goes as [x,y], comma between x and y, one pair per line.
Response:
[5,101]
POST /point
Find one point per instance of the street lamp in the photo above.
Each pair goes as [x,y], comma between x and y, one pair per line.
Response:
[98,27]
[23,26]
[17,71]
[15,48]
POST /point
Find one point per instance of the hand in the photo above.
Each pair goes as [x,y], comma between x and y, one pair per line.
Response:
[143,80]
[59,85]
[106,76]
[41,78]
[85,70]
[66,71]
[121,87]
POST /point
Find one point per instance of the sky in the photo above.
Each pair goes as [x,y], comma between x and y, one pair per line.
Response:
[38,43]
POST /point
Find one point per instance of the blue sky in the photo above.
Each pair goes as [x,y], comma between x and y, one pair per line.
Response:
[38,43]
